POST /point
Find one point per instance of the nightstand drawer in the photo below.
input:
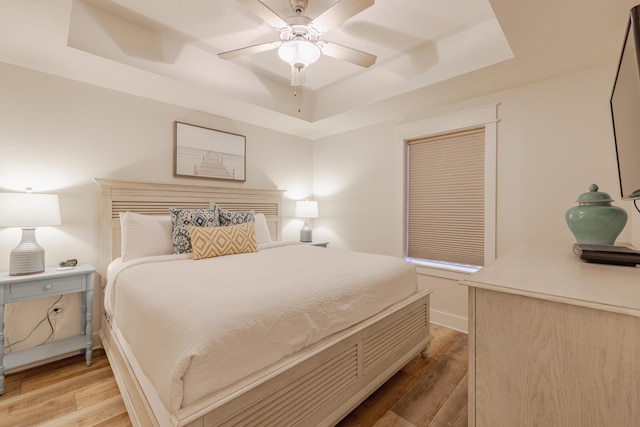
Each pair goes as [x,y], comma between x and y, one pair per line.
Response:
[60,285]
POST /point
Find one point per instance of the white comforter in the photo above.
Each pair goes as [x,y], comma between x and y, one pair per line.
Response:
[198,326]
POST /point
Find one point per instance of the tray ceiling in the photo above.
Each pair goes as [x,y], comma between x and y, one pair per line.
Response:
[167,50]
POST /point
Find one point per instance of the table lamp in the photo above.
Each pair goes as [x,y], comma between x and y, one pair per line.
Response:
[306,209]
[28,211]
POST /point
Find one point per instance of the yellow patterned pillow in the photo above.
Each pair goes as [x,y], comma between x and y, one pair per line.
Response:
[208,242]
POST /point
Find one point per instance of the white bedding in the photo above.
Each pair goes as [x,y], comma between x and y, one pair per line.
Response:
[198,326]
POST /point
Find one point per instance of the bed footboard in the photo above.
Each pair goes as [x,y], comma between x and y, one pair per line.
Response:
[318,386]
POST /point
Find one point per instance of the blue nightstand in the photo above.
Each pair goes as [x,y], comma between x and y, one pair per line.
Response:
[50,282]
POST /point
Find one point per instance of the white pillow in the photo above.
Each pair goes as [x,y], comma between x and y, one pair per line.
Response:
[144,235]
[262,229]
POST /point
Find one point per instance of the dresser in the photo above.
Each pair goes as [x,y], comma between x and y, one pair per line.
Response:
[553,341]
[48,283]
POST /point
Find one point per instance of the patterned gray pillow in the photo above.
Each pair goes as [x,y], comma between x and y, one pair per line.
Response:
[235,218]
[181,218]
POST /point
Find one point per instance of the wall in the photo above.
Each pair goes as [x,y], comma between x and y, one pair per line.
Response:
[554,140]
[355,182]
[57,135]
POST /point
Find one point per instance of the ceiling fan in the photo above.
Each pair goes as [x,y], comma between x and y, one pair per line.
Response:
[300,44]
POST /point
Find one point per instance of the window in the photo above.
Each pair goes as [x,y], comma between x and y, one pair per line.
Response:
[449,185]
[445,198]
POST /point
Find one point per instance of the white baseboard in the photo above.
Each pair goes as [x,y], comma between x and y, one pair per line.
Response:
[450,321]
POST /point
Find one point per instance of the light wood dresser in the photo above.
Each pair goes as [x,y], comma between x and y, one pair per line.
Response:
[553,341]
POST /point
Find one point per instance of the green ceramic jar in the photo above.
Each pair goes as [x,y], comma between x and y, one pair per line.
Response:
[594,221]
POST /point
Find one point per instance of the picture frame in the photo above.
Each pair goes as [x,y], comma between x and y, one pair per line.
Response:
[201,152]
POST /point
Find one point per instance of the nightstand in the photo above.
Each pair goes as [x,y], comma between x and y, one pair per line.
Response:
[323,244]
[50,282]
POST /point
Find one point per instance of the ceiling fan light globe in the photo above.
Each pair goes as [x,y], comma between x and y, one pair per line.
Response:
[297,52]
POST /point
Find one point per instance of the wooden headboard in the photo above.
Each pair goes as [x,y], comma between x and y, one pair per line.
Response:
[156,199]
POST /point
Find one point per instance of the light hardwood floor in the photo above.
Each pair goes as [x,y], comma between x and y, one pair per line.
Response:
[428,391]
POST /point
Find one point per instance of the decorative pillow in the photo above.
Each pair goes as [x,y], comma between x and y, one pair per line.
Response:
[182,218]
[234,218]
[262,229]
[209,242]
[144,235]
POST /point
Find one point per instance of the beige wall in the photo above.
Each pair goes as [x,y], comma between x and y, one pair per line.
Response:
[554,140]
[355,181]
[57,135]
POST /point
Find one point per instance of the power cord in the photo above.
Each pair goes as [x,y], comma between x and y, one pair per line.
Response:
[635,203]
[48,319]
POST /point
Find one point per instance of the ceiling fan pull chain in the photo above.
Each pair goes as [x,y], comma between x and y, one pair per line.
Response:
[295,94]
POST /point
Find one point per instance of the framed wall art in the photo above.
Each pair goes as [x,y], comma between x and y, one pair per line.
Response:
[201,152]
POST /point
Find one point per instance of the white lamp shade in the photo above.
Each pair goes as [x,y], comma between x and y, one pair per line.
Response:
[29,210]
[307,209]
[299,53]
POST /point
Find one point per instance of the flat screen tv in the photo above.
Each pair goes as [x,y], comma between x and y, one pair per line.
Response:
[625,110]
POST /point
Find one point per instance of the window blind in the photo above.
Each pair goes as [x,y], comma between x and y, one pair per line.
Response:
[445,198]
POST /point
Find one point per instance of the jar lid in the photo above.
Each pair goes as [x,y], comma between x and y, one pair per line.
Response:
[594,196]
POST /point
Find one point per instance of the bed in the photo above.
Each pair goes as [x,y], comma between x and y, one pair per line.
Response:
[314,351]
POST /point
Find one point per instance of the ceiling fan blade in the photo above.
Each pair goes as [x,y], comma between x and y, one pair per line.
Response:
[263,11]
[338,13]
[249,50]
[348,54]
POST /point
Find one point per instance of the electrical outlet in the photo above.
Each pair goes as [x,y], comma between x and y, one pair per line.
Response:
[56,311]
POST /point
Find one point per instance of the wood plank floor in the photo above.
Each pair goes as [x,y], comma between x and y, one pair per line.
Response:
[428,391]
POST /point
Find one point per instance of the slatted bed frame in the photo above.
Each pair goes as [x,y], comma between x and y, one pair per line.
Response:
[316,386]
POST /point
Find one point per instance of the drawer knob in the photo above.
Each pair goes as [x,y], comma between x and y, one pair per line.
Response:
[47,287]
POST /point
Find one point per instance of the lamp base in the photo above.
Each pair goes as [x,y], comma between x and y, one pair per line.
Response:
[305,232]
[28,256]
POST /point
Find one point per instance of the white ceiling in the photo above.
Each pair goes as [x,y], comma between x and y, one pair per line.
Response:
[430,52]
